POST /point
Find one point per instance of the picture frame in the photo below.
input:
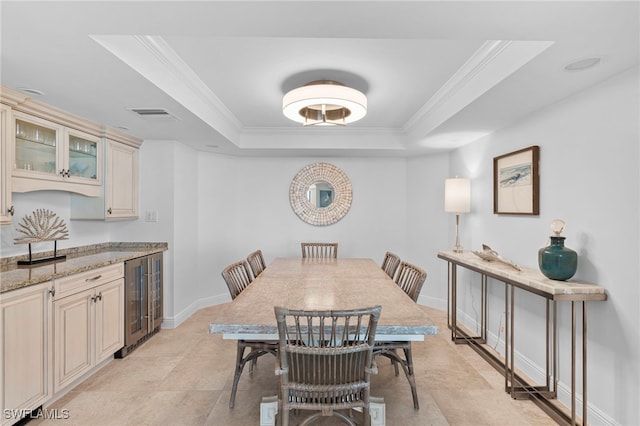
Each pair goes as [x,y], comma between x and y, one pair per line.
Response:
[516,182]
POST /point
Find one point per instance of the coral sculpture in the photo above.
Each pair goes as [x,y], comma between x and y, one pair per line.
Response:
[42,225]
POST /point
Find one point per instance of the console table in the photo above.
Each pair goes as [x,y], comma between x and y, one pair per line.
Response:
[531,281]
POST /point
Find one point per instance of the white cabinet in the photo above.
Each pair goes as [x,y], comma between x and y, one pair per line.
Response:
[6,208]
[89,321]
[122,189]
[120,198]
[26,326]
[44,148]
[109,317]
[52,334]
[50,156]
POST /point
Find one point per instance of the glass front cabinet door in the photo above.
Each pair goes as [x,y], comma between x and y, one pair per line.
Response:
[6,208]
[51,156]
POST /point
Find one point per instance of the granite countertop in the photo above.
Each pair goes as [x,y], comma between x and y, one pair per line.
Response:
[79,259]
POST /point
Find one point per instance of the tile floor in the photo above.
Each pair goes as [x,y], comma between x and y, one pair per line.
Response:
[183,377]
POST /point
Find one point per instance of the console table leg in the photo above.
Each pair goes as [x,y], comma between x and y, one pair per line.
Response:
[449,266]
[506,337]
[573,363]
[552,348]
[454,308]
[584,363]
[555,347]
[512,337]
[548,346]
[483,309]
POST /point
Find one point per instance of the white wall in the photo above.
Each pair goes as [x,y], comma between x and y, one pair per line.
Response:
[244,206]
[168,186]
[589,178]
[428,228]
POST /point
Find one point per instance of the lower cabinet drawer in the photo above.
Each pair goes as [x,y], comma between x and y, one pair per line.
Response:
[85,280]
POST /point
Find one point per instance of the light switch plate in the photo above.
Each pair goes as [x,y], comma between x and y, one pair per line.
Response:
[151,216]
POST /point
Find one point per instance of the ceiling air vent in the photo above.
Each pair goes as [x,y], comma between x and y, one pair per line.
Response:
[154,113]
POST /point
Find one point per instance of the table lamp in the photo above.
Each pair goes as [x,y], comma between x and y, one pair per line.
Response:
[457,199]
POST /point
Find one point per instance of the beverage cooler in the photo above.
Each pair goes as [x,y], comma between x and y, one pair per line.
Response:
[143,301]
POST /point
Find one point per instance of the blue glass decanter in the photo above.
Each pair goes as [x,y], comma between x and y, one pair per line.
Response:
[557,261]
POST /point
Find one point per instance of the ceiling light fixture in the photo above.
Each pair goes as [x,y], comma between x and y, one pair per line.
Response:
[324,103]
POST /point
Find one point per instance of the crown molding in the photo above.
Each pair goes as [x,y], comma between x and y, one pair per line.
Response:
[155,60]
[489,65]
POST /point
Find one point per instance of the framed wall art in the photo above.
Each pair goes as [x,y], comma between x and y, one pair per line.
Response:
[516,184]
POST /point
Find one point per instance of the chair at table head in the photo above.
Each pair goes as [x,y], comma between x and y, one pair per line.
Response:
[326,361]
[319,250]
[256,262]
[390,264]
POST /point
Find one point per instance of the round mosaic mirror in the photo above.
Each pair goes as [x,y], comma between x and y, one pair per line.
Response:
[320,194]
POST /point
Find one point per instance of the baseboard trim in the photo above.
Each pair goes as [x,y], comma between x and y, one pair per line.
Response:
[173,322]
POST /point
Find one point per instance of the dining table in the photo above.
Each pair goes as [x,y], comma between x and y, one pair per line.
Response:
[322,284]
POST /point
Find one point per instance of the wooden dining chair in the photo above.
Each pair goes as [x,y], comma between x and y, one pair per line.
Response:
[319,250]
[390,264]
[410,279]
[238,277]
[325,361]
[256,262]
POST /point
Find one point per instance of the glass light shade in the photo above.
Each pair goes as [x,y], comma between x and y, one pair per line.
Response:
[346,103]
[457,195]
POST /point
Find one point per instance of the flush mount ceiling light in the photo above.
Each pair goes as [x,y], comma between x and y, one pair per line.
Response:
[324,102]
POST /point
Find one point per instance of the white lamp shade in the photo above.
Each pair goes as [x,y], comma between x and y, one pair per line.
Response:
[457,195]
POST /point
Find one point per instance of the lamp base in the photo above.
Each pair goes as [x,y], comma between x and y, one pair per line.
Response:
[458,247]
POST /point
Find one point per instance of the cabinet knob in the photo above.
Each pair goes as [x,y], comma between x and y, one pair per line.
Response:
[52,291]
[11,210]
[109,210]
[64,173]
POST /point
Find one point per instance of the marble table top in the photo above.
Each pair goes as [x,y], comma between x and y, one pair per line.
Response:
[13,277]
[322,284]
[528,279]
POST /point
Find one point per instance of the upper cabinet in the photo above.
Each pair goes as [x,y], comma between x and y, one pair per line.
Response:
[44,148]
[51,156]
[6,208]
[120,199]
